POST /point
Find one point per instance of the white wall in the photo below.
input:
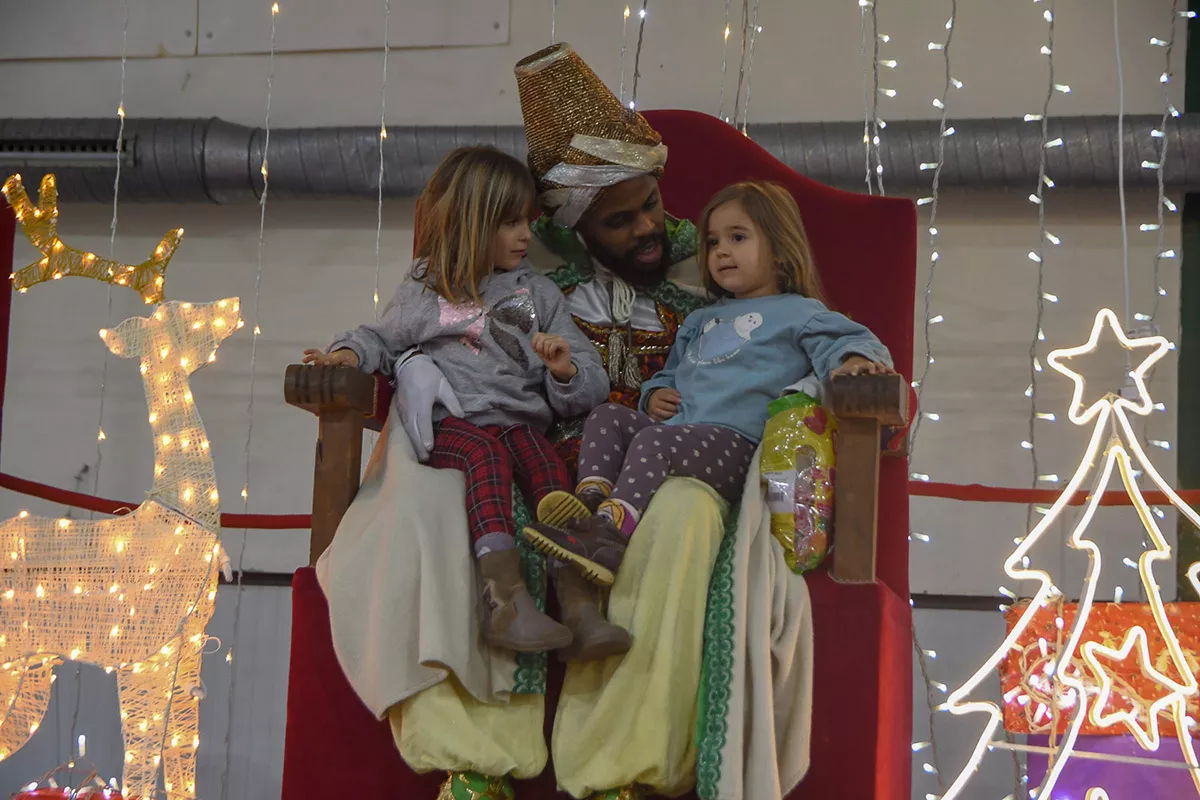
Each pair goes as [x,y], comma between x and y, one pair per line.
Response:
[806,64]
[319,271]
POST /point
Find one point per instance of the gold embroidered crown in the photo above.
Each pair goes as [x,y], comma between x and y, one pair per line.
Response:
[40,224]
[561,98]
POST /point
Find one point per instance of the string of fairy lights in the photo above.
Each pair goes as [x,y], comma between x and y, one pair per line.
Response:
[264,169]
[1043,298]
[1159,166]
[112,245]
[637,54]
[932,766]
[878,124]
[750,30]
[1138,321]
[112,239]
[724,62]
[870,42]
[1163,205]
[383,135]
[741,75]
[625,46]
[370,437]
[1038,257]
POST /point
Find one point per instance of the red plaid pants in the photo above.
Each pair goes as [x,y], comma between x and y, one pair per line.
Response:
[491,458]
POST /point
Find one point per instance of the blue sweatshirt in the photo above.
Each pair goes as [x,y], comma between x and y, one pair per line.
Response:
[734,357]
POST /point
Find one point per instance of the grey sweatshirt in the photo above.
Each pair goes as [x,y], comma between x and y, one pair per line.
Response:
[486,352]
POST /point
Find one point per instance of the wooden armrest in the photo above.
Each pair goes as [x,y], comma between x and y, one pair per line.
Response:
[863,404]
[342,398]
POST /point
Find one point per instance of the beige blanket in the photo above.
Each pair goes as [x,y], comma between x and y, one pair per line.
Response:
[400,581]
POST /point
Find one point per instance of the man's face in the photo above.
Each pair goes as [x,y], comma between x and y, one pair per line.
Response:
[626,231]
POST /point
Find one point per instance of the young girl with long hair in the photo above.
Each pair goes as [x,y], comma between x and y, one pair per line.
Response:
[703,415]
[505,340]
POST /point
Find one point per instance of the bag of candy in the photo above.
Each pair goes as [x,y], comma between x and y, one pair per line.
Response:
[798,469]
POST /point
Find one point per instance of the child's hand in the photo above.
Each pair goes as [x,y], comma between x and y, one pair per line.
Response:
[663,404]
[857,365]
[337,358]
[555,351]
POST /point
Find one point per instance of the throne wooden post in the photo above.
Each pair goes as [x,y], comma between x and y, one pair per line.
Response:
[344,400]
[865,248]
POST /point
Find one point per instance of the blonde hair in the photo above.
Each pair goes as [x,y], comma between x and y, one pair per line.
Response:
[773,211]
[470,195]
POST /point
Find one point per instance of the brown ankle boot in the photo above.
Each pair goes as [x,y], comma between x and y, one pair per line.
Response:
[579,603]
[511,619]
[594,545]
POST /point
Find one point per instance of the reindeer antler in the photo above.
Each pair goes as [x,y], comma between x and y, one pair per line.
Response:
[40,224]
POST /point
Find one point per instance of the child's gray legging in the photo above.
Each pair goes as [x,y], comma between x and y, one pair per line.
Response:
[636,454]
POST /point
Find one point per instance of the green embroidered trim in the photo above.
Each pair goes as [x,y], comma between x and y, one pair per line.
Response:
[577,266]
[683,238]
[716,673]
[530,676]
[679,301]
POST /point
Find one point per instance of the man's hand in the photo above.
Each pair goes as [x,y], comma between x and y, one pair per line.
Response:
[338,358]
[419,386]
[556,352]
[857,365]
[663,404]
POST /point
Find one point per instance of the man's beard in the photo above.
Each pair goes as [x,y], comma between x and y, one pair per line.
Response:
[627,267]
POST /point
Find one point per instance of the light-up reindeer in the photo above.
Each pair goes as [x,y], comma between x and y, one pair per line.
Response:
[133,593]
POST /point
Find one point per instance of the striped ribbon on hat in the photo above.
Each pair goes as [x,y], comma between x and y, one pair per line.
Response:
[580,184]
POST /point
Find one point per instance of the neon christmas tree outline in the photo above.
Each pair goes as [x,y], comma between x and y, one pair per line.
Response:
[1109,414]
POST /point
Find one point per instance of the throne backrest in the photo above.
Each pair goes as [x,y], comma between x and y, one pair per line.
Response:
[866,252]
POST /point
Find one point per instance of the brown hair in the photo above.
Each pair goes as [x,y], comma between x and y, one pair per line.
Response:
[773,211]
[470,195]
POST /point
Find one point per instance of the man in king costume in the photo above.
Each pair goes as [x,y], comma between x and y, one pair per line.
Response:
[715,690]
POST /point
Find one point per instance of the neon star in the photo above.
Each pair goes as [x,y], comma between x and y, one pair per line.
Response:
[1145,730]
[1157,346]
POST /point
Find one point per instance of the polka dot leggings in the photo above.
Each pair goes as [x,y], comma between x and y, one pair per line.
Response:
[635,454]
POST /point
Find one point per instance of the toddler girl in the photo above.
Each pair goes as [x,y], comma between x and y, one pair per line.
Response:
[505,340]
[703,415]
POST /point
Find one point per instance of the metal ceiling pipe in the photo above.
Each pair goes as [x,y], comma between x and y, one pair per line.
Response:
[210,160]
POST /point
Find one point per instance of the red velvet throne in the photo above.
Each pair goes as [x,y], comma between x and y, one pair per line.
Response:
[865,249]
